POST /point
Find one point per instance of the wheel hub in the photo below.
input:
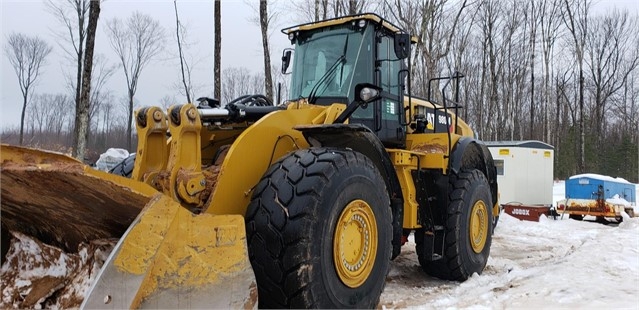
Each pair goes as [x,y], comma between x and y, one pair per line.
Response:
[478,226]
[355,243]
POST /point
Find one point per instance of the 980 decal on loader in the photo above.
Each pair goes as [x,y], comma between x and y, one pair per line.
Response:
[300,204]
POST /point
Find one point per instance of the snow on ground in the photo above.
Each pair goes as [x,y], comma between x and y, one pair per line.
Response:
[38,276]
[559,263]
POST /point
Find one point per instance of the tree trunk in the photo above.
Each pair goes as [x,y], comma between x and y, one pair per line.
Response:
[81,132]
[177,34]
[268,78]
[217,53]
[582,131]
[352,7]
[78,80]
[129,121]
[24,108]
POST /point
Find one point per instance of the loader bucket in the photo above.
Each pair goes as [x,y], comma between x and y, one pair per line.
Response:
[63,202]
[167,257]
[172,259]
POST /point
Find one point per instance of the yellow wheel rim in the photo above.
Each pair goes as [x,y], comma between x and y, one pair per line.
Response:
[355,243]
[478,226]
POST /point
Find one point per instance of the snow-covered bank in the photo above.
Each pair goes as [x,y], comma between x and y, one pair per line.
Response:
[553,263]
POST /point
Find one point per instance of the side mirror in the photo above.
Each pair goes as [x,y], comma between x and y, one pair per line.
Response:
[366,92]
[286,59]
[402,45]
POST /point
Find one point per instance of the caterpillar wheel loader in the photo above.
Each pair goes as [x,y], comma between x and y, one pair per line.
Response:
[301,204]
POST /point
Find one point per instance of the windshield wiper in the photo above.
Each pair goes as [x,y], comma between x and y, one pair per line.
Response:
[313,94]
[342,59]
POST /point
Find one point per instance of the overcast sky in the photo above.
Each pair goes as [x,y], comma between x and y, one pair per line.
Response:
[241,46]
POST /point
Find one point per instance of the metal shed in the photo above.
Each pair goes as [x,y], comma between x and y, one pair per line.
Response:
[594,186]
[524,171]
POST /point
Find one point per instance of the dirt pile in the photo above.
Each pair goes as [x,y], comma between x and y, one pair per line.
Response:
[38,276]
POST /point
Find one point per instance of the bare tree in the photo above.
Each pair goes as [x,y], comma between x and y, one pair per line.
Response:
[217,50]
[575,16]
[178,34]
[240,81]
[533,12]
[264,21]
[100,74]
[26,55]
[610,58]
[136,41]
[549,23]
[73,15]
[81,132]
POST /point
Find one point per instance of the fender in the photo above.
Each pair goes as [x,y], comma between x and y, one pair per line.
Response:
[361,139]
[470,153]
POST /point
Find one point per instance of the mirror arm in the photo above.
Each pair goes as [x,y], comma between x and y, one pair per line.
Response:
[350,109]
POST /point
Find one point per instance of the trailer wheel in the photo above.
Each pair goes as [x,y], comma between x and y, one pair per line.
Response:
[577,217]
[319,231]
[468,229]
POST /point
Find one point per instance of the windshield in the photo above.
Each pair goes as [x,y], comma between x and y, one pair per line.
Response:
[329,62]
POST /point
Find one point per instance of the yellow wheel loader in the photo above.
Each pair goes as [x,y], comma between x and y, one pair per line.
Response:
[296,205]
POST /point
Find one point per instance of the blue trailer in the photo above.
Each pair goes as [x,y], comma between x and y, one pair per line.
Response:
[597,195]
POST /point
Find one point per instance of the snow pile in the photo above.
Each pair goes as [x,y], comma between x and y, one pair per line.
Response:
[616,200]
[110,158]
[38,276]
[550,264]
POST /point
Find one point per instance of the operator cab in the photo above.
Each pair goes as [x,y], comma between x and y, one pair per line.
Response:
[333,56]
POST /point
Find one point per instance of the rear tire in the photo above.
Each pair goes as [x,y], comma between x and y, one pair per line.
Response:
[468,229]
[307,229]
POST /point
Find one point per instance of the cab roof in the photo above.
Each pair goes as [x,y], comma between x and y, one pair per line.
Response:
[346,19]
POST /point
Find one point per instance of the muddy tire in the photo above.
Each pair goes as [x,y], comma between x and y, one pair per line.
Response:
[125,167]
[468,229]
[319,231]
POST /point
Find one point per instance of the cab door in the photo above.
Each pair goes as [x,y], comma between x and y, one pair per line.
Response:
[385,117]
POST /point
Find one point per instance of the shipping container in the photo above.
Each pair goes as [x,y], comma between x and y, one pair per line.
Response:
[524,171]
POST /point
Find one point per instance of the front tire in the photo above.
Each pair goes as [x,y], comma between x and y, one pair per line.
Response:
[319,231]
[468,229]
